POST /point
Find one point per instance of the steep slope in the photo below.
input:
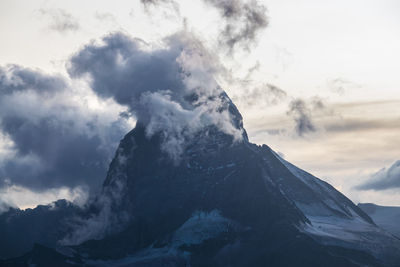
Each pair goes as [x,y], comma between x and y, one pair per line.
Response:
[226,202]
[221,206]
[251,203]
[387,218]
[335,220]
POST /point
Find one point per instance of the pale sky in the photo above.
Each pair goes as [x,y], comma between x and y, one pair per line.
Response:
[343,53]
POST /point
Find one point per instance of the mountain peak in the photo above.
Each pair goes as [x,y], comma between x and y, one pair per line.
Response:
[223,201]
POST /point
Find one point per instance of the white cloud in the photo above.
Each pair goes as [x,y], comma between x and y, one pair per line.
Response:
[24,198]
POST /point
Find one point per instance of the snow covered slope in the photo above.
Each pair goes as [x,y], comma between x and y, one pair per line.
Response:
[334,219]
[387,218]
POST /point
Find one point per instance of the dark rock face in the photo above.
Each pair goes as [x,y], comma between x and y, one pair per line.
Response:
[225,203]
[244,182]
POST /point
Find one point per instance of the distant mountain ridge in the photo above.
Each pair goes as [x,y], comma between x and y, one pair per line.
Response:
[386,217]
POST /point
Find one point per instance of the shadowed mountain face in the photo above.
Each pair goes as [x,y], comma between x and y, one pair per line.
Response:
[226,202]
[20,229]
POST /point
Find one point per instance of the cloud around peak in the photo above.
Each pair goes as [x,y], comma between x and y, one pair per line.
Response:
[171,89]
[57,140]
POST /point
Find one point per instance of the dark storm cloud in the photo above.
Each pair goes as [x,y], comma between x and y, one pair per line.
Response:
[56,142]
[121,70]
[243,21]
[60,20]
[302,114]
[171,89]
[386,178]
[14,78]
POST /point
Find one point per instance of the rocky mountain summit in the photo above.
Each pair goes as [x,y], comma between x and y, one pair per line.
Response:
[222,202]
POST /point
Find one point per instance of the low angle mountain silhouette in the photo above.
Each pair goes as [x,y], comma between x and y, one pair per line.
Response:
[222,202]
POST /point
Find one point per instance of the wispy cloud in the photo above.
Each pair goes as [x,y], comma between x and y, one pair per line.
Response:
[302,114]
[341,85]
[169,4]
[359,124]
[105,16]
[60,20]
[265,95]
[243,21]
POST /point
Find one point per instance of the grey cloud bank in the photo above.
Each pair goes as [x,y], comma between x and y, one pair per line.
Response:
[386,178]
[56,141]
[170,89]
[14,78]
